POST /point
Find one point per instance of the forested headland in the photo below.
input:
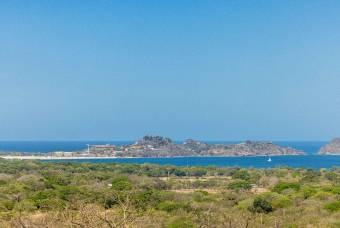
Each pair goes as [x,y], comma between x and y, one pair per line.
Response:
[51,194]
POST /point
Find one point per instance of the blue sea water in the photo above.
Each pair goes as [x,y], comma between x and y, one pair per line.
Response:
[305,161]
[310,147]
[51,146]
[311,160]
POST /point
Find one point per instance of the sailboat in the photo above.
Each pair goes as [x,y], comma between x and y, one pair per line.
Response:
[269,159]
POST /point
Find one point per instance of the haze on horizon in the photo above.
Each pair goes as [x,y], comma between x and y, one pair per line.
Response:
[212,70]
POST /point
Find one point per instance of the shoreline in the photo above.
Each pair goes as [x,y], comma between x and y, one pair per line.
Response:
[33,157]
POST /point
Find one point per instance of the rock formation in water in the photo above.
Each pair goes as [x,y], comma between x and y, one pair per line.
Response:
[333,147]
[157,146]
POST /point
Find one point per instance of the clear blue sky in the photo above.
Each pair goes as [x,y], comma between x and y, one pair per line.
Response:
[214,70]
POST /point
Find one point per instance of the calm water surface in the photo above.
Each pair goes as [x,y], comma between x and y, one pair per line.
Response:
[306,161]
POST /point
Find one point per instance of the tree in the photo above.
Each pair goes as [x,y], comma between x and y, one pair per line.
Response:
[121,184]
[241,174]
[261,205]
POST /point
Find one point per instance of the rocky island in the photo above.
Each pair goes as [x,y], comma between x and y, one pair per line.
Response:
[156,146]
[333,147]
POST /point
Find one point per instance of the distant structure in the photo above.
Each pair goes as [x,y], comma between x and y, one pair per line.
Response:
[97,148]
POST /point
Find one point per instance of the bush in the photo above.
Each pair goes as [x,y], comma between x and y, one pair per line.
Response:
[170,206]
[308,192]
[280,187]
[276,200]
[147,198]
[332,176]
[202,196]
[121,184]
[323,195]
[334,206]
[311,176]
[25,205]
[41,199]
[281,202]
[6,205]
[179,173]
[180,222]
[68,193]
[336,190]
[241,174]
[197,172]
[239,185]
[280,173]
[245,204]
[261,205]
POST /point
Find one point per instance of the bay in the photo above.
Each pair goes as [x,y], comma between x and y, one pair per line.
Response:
[302,161]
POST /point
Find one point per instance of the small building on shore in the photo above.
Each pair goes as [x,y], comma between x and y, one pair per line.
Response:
[100,148]
[62,154]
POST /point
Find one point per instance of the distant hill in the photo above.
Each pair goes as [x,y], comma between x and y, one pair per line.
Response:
[333,147]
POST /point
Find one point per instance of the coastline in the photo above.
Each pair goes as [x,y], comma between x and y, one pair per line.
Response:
[33,157]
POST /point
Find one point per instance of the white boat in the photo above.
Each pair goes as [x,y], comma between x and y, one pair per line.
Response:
[269,160]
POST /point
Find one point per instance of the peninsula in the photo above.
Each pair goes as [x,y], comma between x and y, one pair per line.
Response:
[157,146]
[332,148]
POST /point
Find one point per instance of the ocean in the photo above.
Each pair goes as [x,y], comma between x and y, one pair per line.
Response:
[311,160]
[310,147]
[303,161]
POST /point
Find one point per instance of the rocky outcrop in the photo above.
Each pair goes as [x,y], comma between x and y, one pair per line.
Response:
[154,141]
[253,148]
[333,147]
[157,146]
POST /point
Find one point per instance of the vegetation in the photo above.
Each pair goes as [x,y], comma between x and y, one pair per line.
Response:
[51,194]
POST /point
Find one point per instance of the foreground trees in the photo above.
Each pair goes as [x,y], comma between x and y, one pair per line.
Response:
[42,194]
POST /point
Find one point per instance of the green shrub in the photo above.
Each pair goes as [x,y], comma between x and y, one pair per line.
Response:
[68,192]
[25,205]
[332,176]
[280,187]
[334,206]
[41,199]
[121,184]
[261,205]
[6,205]
[197,172]
[202,196]
[280,173]
[245,204]
[311,175]
[281,202]
[149,197]
[241,174]
[180,222]
[335,190]
[296,174]
[239,185]
[179,173]
[308,192]
[170,206]
[275,199]
[323,195]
